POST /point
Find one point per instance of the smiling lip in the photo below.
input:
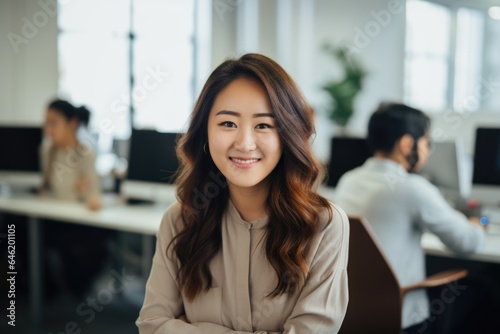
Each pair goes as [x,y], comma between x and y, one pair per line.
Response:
[244,163]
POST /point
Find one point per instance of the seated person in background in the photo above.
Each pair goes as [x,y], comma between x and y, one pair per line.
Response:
[68,165]
[69,174]
[400,205]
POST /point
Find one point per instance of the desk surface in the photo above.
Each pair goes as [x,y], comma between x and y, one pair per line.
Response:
[116,215]
[489,253]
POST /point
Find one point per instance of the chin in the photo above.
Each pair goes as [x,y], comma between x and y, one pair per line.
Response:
[244,184]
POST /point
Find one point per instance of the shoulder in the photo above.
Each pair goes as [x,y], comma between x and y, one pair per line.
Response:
[334,231]
[331,243]
[420,187]
[337,224]
[351,175]
[351,179]
[85,151]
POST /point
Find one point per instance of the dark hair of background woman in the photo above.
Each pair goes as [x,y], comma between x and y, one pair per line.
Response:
[293,206]
[70,112]
[390,122]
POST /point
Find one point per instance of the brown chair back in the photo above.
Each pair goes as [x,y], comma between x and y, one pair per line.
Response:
[374,292]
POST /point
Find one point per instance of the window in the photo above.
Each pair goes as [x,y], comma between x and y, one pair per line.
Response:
[94,67]
[449,62]
[132,62]
[468,59]
[427,55]
[163,63]
[491,81]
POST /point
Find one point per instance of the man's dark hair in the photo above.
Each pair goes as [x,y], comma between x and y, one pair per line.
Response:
[390,122]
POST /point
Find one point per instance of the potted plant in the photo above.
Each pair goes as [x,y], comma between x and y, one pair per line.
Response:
[344,91]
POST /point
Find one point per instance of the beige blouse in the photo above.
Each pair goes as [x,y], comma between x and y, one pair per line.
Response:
[242,277]
[64,168]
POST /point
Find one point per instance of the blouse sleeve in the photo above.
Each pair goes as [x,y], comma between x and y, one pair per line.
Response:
[320,308]
[89,172]
[452,227]
[322,304]
[163,300]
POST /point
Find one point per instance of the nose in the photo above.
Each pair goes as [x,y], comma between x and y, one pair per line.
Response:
[245,141]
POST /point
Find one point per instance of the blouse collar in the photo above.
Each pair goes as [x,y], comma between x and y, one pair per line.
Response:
[234,215]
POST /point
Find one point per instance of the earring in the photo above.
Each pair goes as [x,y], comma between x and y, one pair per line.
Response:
[205,148]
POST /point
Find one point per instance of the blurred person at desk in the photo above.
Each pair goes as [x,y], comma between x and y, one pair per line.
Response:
[69,165]
[69,174]
[400,205]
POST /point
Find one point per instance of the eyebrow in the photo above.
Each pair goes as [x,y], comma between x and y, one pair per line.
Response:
[237,114]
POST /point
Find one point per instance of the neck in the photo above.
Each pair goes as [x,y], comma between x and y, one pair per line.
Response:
[250,202]
[393,156]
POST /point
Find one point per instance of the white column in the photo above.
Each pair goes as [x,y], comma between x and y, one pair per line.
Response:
[247,26]
[284,34]
[305,46]
[203,44]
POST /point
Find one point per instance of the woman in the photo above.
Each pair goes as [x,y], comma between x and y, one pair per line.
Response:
[69,174]
[250,246]
[68,165]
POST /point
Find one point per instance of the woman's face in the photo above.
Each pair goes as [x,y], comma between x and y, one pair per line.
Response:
[242,137]
[58,128]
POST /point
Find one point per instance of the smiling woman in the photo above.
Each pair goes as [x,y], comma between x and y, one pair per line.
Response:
[263,252]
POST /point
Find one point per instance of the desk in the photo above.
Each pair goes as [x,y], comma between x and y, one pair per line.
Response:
[115,215]
[489,253]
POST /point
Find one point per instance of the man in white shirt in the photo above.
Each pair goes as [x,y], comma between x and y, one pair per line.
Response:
[400,205]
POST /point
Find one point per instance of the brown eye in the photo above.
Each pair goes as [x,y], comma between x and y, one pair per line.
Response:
[264,126]
[228,124]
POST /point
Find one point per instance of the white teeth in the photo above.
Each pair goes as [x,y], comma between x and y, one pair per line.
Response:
[245,162]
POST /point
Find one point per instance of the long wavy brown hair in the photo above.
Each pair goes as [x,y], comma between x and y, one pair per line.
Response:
[293,205]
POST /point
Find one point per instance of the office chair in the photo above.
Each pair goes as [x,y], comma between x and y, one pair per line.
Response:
[375,295]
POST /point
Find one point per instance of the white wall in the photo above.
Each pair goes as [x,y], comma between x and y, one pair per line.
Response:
[28,77]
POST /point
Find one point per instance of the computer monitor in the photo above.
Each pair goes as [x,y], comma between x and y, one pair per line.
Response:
[20,155]
[486,172]
[446,169]
[152,166]
[346,153]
